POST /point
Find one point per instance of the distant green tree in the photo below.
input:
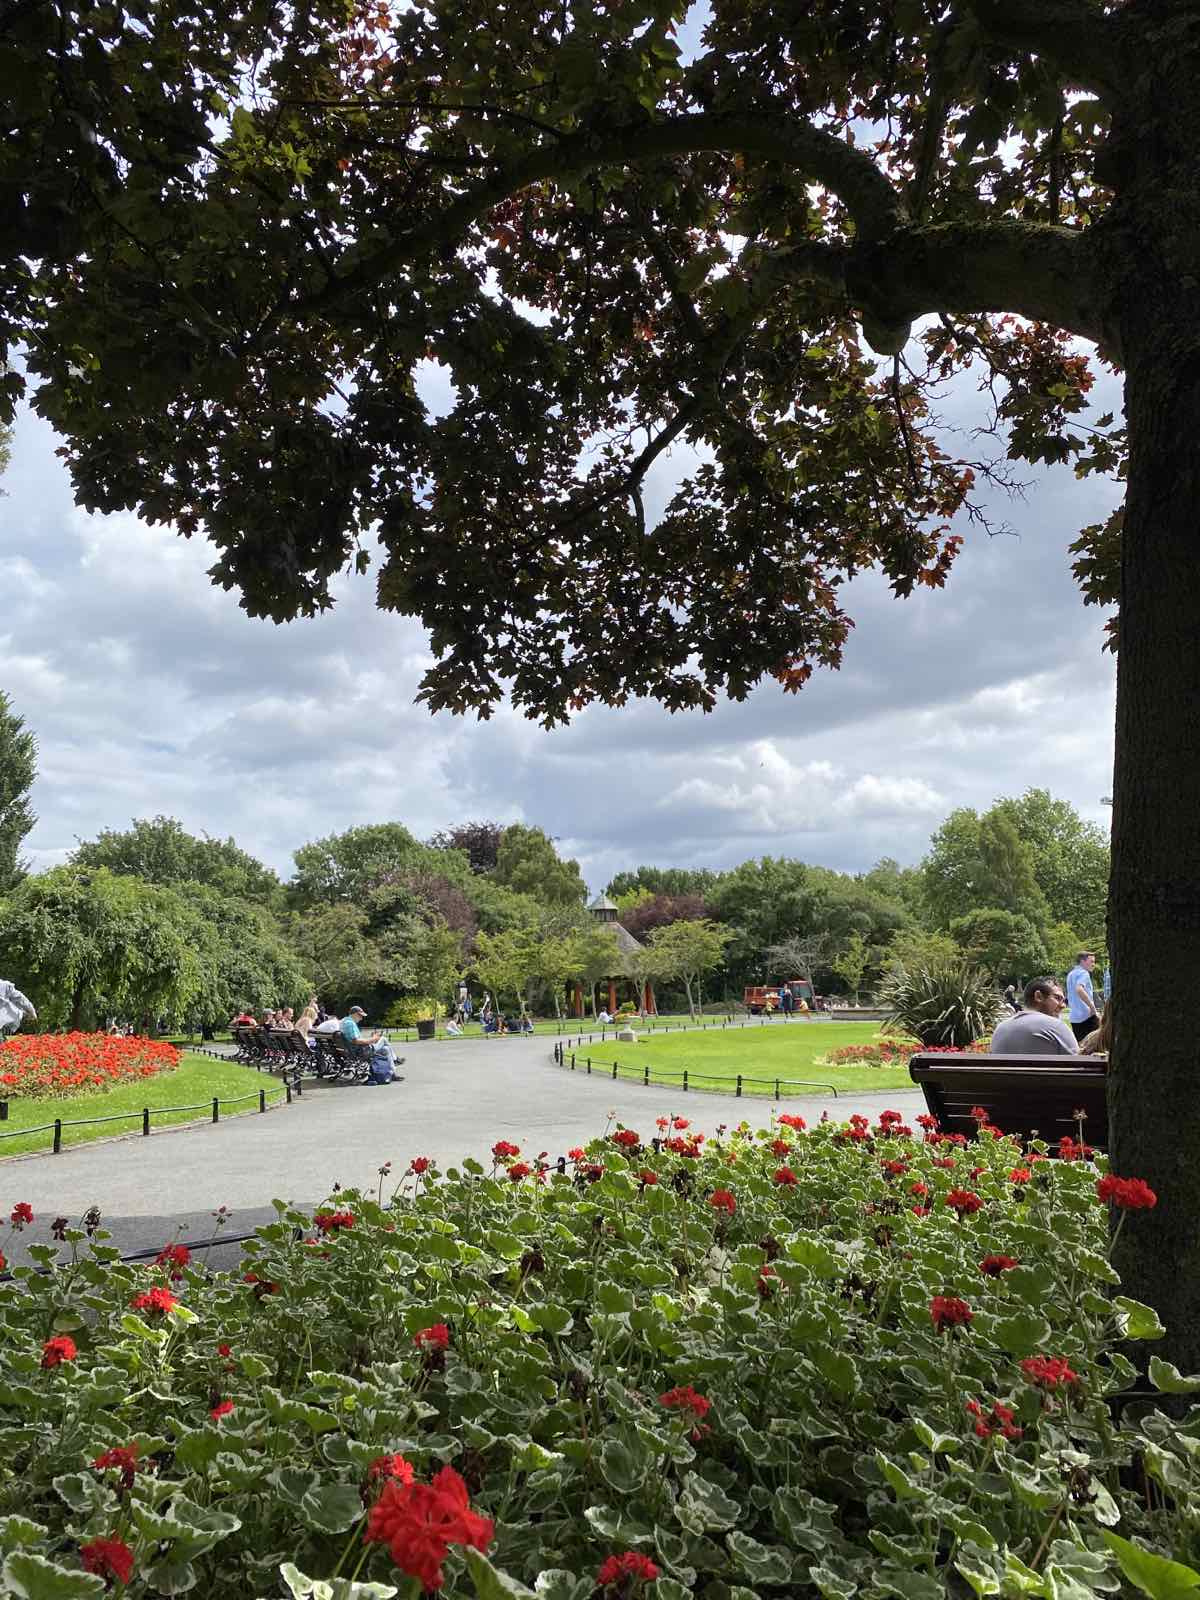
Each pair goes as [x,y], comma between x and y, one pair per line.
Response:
[1002,943]
[914,949]
[686,951]
[160,850]
[478,841]
[1009,872]
[901,885]
[852,962]
[244,958]
[333,946]
[662,880]
[505,962]
[599,956]
[977,863]
[528,863]
[349,865]
[1071,858]
[762,902]
[18,769]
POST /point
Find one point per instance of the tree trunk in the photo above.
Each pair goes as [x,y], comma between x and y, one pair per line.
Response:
[1154,897]
[687,984]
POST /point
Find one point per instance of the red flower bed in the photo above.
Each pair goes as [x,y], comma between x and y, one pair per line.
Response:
[58,1066]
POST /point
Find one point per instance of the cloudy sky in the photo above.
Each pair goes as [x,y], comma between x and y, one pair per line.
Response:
[150,691]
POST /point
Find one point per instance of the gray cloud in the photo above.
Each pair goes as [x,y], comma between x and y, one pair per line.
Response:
[151,691]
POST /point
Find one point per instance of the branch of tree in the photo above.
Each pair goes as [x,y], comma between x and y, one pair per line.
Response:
[1074,35]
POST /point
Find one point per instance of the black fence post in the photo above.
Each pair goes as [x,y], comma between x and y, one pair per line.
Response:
[262,1099]
[614,1072]
[572,1061]
[777,1088]
[646,1074]
[216,1109]
[685,1073]
[739,1086]
[288,1090]
[589,1066]
[57,1135]
[145,1122]
[3,1110]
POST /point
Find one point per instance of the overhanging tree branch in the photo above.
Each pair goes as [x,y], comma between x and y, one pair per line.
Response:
[1073,34]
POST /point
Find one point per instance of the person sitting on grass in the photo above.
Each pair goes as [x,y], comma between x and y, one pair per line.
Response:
[1038,1030]
[453,1029]
[383,1062]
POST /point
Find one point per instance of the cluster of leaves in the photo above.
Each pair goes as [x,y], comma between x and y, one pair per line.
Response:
[58,1066]
[840,1362]
[946,1004]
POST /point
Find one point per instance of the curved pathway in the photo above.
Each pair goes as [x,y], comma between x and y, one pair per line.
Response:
[457,1099]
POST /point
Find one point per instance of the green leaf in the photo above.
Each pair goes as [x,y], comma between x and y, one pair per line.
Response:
[831,1584]
[933,1441]
[1139,1321]
[552,1319]
[1021,1334]
[492,1584]
[1169,1379]
[16,1531]
[839,1368]
[762,1563]
[333,1507]
[31,1577]
[708,1503]
[811,1253]
[303,1588]
[556,1583]
[1153,1575]
[620,1467]
[902,1485]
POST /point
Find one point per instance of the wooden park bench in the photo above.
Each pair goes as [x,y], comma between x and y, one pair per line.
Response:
[1030,1096]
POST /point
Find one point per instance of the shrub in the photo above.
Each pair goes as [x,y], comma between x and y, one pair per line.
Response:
[883,1052]
[797,1363]
[412,1009]
[945,1004]
[59,1066]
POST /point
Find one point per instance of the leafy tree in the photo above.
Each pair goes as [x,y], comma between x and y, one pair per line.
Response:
[18,769]
[505,962]
[913,949]
[656,910]
[478,841]
[977,862]
[1063,944]
[904,886]
[348,866]
[644,966]
[953,870]
[662,880]
[599,957]
[764,902]
[87,945]
[528,863]
[612,250]
[159,850]
[244,959]
[1001,943]
[432,960]
[686,951]
[1009,875]
[852,962]
[498,908]
[1071,858]
[332,945]
[558,956]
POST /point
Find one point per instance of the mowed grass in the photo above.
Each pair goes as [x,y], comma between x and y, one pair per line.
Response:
[194,1083]
[778,1053]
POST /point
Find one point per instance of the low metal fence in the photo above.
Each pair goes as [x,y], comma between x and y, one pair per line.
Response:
[146,1114]
[704,1025]
[686,1079]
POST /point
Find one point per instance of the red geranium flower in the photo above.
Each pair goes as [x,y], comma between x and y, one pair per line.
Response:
[576,1154]
[436,1337]
[22,1213]
[225,1350]
[964,1202]
[502,1150]
[946,1163]
[662,1122]
[175,1256]
[122,1458]
[948,1312]
[779,1147]
[333,1221]
[519,1170]
[647,1177]
[57,1350]
[1020,1175]
[681,1122]
[1127,1194]
[1068,1150]
[627,1137]
[993,1266]
[392,1466]
[630,1567]
[894,1169]
[789,1121]
[1049,1372]
[158,1300]
[786,1178]
[723,1200]
[1000,1419]
[420,1164]
[108,1558]
[221,1409]
[918,1188]
[419,1522]
[686,1399]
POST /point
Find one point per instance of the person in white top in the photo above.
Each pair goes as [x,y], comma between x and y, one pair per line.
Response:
[14,1007]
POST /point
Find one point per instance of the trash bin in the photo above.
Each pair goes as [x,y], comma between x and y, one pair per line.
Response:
[427,1028]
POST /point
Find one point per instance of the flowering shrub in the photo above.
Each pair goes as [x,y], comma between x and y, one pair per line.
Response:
[59,1066]
[889,1052]
[643,1373]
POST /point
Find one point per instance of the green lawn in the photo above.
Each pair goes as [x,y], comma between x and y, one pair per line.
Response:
[762,1055]
[194,1083]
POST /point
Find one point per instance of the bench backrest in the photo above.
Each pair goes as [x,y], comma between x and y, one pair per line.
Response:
[1031,1096]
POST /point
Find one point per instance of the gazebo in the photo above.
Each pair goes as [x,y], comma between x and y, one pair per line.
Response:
[604,911]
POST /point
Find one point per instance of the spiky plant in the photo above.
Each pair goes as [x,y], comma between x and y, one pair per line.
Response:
[948,1003]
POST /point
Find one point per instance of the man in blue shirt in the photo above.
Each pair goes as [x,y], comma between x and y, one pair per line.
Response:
[1081,997]
[383,1062]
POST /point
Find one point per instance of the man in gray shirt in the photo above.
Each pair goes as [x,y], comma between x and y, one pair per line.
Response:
[1038,1030]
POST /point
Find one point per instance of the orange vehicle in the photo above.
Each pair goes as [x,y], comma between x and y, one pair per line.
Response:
[768,997]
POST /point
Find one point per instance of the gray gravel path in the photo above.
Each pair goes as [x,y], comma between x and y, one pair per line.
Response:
[456,1099]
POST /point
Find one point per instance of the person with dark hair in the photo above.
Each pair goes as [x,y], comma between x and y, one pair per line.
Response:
[1038,1030]
[1099,1043]
[1081,996]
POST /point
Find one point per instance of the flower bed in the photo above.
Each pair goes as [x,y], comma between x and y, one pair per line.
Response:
[887,1052]
[840,1362]
[40,1066]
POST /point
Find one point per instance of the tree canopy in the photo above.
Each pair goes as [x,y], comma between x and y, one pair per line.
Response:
[527,863]
[159,850]
[18,769]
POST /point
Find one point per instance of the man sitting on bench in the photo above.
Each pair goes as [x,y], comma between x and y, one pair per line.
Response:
[383,1062]
[1038,1030]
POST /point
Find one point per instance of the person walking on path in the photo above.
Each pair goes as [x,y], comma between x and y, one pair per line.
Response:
[1081,997]
[1039,1030]
[14,1008]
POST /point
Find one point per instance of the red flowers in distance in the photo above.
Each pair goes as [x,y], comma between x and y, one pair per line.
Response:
[647,1178]
[22,1213]
[626,1570]
[1000,1419]
[435,1338]
[789,1121]
[59,1349]
[1049,1372]
[786,1178]
[964,1201]
[108,1559]
[66,1065]
[723,1200]
[221,1409]
[519,1170]
[1127,1194]
[174,1256]
[946,1311]
[994,1266]
[419,1522]
[686,1399]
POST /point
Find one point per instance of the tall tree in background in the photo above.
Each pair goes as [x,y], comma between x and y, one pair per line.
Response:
[528,863]
[478,841]
[225,226]
[160,850]
[18,769]
[687,951]
[1070,858]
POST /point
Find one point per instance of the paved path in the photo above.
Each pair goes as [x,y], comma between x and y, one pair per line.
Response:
[456,1099]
